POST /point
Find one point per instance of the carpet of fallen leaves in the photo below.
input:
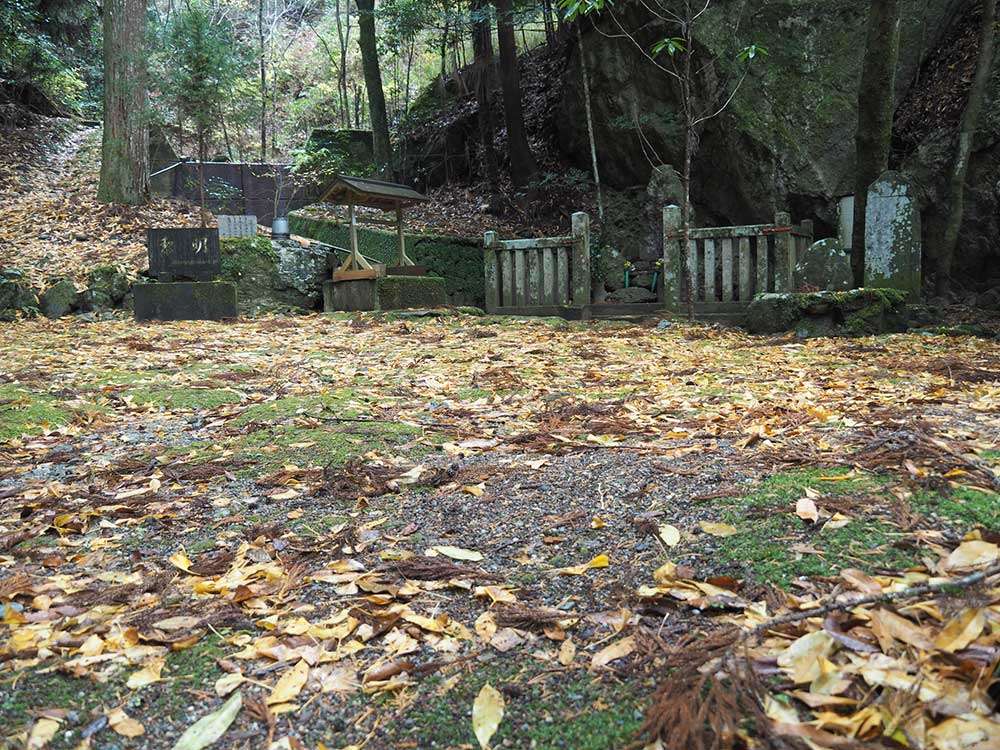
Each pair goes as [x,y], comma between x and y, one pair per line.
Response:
[440,532]
[51,224]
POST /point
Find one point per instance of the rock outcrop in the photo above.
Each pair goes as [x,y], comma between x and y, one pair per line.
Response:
[276,275]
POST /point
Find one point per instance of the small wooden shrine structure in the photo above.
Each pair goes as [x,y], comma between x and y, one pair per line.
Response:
[386,196]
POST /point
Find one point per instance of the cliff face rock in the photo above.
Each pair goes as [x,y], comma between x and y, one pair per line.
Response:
[790,125]
[787,138]
[786,141]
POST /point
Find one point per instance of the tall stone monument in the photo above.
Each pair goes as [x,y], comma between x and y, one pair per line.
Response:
[892,235]
[185,263]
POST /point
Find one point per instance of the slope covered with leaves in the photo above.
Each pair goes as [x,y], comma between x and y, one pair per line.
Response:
[51,223]
[379,532]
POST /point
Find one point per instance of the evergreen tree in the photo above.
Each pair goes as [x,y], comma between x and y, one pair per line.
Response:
[203,63]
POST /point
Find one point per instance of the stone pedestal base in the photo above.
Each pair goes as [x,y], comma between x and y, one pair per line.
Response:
[358,295]
[386,293]
[185,300]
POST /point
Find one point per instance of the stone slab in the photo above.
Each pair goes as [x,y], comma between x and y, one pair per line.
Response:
[845,221]
[892,235]
[185,300]
[237,226]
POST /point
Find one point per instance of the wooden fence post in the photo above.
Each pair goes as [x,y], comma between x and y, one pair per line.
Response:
[672,258]
[784,253]
[581,259]
[492,272]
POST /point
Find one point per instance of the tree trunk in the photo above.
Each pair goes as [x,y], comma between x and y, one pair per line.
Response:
[373,84]
[344,37]
[550,27]
[960,167]
[876,101]
[522,161]
[125,148]
[482,46]
[202,155]
[443,54]
[409,70]
[263,82]
[690,146]
[590,121]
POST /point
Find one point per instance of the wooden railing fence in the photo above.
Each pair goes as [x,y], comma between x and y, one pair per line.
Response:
[730,265]
[542,276]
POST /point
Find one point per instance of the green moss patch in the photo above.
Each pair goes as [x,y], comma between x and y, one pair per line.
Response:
[241,253]
[290,406]
[24,412]
[272,447]
[187,399]
[401,292]
[561,710]
[858,312]
[23,694]
[773,544]
[964,506]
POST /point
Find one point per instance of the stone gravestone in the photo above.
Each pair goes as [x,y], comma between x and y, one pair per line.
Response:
[825,265]
[184,254]
[892,235]
[185,262]
[237,226]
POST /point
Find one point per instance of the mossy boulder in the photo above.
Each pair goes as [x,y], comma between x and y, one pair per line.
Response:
[107,286]
[17,297]
[275,275]
[59,298]
[858,312]
[773,313]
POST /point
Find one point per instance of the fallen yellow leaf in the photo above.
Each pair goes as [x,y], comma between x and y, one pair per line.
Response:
[617,650]
[457,553]
[972,554]
[717,529]
[124,724]
[567,652]
[290,684]
[487,713]
[42,733]
[181,560]
[806,509]
[600,561]
[149,674]
[670,535]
